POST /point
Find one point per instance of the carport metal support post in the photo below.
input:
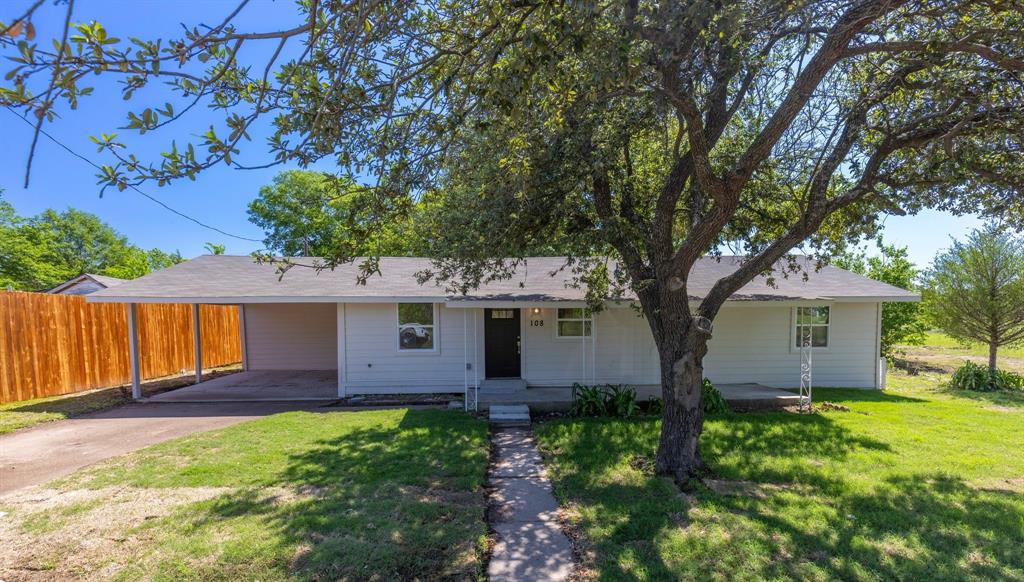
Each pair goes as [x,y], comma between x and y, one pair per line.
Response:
[133,352]
[197,343]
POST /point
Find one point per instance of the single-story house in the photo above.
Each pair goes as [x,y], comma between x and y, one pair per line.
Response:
[85,284]
[395,335]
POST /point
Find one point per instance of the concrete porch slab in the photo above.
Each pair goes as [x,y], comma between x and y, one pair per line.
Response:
[260,386]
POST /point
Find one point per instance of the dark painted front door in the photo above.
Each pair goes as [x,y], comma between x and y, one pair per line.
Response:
[501,343]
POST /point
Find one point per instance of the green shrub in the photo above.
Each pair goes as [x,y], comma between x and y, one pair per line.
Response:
[620,400]
[655,406]
[1009,380]
[587,400]
[979,378]
[609,400]
[714,402]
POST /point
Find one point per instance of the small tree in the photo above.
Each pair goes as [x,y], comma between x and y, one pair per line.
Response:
[902,323]
[975,290]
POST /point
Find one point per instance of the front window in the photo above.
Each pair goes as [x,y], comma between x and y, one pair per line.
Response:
[574,322]
[812,327]
[415,326]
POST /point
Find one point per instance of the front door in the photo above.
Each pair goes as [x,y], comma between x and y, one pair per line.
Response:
[501,343]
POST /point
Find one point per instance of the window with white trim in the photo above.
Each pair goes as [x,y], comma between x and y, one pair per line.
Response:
[574,322]
[415,326]
[812,326]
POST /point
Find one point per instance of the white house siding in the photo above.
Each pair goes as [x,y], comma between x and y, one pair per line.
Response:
[291,336]
[623,353]
[375,364]
[752,343]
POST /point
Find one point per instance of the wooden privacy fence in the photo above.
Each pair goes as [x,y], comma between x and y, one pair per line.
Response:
[59,344]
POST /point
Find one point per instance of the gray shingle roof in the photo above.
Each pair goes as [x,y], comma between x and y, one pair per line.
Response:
[239,279]
[103,280]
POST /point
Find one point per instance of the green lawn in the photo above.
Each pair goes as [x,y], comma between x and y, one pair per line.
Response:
[937,339]
[26,413]
[914,483]
[386,495]
[15,415]
[941,352]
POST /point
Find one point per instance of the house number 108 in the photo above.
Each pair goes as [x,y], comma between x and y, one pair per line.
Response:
[536,323]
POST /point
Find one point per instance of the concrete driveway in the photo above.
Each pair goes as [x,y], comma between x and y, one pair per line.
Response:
[36,455]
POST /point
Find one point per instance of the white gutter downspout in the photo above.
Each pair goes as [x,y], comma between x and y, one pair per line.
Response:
[880,367]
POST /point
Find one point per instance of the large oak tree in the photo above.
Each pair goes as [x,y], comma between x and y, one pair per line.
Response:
[653,132]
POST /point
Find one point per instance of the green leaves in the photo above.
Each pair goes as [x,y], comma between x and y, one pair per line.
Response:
[975,290]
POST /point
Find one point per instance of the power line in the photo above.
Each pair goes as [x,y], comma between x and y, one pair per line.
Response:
[135,188]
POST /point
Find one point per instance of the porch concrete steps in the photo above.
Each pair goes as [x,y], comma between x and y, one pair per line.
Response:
[502,385]
[510,415]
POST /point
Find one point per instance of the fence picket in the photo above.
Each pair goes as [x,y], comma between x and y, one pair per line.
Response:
[60,344]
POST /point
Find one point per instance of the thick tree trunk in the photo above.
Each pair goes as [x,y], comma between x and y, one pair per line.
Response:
[682,375]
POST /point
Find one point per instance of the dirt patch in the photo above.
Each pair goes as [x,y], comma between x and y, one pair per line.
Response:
[49,534]
[747,488]
[1010,409]
[1001,485]
[825,406]
[642,463]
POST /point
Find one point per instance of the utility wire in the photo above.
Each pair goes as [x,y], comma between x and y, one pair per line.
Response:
[135,188]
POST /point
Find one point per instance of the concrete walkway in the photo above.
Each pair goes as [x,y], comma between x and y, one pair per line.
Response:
[530,544]
[36,455]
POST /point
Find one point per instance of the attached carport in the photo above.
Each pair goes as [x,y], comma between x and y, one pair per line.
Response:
[260,386]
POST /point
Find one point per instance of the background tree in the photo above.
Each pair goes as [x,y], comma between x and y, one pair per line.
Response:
[214,248]
[975,290]
[903,323]
[315,214]
[39,252]
[652,131]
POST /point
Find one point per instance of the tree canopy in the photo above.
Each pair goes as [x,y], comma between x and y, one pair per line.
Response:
[902,323]
[650,131]
[315,214]
[39,252]
[975,290]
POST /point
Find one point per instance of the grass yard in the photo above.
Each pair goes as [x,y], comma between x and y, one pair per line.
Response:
[385,495]
[941,352]
[26,413]
[913,484]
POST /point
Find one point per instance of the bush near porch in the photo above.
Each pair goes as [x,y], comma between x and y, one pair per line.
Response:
[387,494]
[915,483]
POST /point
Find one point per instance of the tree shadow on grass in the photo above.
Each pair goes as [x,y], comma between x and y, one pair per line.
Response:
[1001,398]
[863,395]
[913,527]
[385,503]
[814,521]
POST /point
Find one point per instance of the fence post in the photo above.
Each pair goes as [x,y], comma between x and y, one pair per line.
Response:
[133,351]
[197,342]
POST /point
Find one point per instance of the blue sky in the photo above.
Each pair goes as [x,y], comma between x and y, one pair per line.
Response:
[220,195]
